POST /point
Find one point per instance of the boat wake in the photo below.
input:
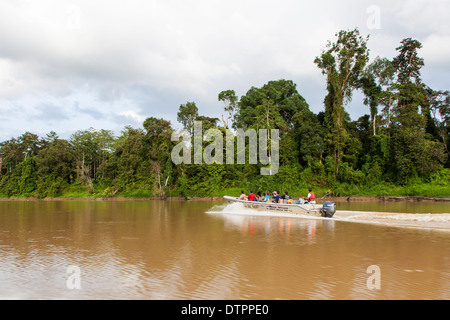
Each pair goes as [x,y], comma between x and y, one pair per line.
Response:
[394,219]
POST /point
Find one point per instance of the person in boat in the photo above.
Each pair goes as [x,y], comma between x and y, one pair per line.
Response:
[311,198]
[243,197]
[267,198]
[286,196]
[276,197]
[251,196]
[273,196]
[259,197]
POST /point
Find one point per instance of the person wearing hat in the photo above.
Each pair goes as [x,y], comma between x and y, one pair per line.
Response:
[276,197]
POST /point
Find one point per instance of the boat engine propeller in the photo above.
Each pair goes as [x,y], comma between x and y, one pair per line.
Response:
[329,209]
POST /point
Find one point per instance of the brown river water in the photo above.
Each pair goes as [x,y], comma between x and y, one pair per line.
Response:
[177,250]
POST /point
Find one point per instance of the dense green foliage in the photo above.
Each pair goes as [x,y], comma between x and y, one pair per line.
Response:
[399,148]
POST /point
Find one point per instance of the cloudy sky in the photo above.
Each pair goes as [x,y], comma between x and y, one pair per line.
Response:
[71,65]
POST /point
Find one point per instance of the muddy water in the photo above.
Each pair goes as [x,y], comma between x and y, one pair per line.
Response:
[207,250]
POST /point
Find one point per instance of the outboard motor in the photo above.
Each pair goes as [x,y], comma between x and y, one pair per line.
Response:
[329,209]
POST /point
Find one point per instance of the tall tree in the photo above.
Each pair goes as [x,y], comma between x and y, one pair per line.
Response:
[126,161]
[278,105]
[375,82]
[91,149]
[408,63]
[282,93]
[413,154]
[157,144]
[230,99]
[56,166]
[342,62]
[186,116]
[440,109]
[16,150]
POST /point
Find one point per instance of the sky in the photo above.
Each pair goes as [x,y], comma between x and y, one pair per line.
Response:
[72,65]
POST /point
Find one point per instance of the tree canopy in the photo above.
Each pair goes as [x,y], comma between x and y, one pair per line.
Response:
[402,141]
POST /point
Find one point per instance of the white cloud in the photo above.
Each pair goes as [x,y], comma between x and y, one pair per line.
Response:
[424,16]
[436,50]
[130,114]
[151,56]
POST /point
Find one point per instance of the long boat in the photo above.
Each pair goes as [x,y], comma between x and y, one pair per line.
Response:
[327,210]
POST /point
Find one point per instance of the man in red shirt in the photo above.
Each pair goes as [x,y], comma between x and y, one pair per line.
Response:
[312,198]
[251,196]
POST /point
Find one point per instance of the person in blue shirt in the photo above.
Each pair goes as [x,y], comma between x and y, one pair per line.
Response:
[276,197]
[267,198]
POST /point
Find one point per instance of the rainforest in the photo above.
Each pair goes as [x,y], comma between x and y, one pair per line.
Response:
[399,148]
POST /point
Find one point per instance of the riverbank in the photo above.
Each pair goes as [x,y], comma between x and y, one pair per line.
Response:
[323,199]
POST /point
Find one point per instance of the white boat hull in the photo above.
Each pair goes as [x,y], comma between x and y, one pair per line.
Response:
[296,209]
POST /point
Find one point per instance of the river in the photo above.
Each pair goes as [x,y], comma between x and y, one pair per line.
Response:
[175,250]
